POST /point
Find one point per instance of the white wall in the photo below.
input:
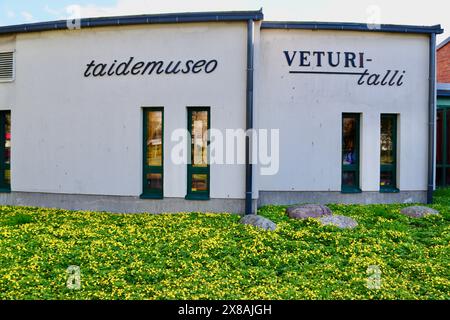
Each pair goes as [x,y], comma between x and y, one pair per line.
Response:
[308,108]
[80,135]
[72,134]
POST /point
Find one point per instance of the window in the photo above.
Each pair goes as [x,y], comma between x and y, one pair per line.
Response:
[388,153]
[350,152]
[5,152]
[442,149]
[6,66]
[198,180]
[153,177]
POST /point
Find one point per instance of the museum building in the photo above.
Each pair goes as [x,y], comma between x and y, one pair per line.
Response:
[91,110]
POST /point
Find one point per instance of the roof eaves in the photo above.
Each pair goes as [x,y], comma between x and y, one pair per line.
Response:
[164,18]
[350,26]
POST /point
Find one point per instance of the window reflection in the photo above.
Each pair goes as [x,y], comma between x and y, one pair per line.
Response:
[154,181]
[199,145]
[387,140]
[388,136]
[387,179]
[154,138]
[348,178]
[199,182]
[7,150]
[350,152]
[349,141]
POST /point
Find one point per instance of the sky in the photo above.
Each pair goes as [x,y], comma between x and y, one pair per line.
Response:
[414,12]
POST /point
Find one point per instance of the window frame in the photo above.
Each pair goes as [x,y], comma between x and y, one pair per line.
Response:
[191,170]
[354,167]
[4,188]
[146,192]
[392,168]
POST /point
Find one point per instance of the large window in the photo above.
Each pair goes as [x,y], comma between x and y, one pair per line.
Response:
[350,152]
[198,168]
[153,153]
[388,153]
[5,151]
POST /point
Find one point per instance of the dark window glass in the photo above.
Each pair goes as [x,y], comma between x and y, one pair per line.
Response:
[350,152]
[439,177]
[439,140]
[154,181]
[447,175]
[5,153]
[387,140]
[348,179]
[387,179]
[349,148]
[7,148]
[388,150]
[448,137]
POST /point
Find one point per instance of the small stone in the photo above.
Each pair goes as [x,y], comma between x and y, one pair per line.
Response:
[259,222]
[306,211]
[341,222]
[418,211]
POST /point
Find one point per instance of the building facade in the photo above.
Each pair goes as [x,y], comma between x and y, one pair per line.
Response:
[443,114]
[124,113]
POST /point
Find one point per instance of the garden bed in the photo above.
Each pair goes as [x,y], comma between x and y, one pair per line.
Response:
[212,256]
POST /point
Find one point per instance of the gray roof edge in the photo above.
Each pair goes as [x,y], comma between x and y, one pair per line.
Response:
[162,18]
[352,26]
[443,43]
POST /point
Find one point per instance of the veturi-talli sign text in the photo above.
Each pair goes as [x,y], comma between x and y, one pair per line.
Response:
[342,63]
[132,67]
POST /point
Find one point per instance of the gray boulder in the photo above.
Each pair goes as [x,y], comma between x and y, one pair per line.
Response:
[341,222]
[259,222]
[418,211]
[306,211]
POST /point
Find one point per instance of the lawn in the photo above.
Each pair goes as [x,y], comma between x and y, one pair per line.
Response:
[212,256]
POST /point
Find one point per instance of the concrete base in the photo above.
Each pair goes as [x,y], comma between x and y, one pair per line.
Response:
[296,197]
[121,204]
[124,204]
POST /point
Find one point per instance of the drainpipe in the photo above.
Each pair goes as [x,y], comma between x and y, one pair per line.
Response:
[249,120]
[431,117]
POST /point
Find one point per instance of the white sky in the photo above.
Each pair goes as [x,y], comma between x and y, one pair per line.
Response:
[414,12]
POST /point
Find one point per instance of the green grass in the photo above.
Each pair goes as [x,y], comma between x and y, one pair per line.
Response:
[442,196]
[212,256]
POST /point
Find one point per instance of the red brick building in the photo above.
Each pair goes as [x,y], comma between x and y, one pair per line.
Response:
[443,62]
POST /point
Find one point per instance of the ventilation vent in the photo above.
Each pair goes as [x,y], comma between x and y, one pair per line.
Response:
[6,66]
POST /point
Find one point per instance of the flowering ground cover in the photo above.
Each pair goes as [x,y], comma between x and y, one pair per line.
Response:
[212,256]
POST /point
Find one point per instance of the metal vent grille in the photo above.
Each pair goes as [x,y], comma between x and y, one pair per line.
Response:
[6,66]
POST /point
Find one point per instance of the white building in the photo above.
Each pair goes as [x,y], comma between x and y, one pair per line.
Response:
[93,111]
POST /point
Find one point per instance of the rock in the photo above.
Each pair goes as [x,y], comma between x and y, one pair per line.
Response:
[259,221]
[418,211]
[308,211]
[341,222]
